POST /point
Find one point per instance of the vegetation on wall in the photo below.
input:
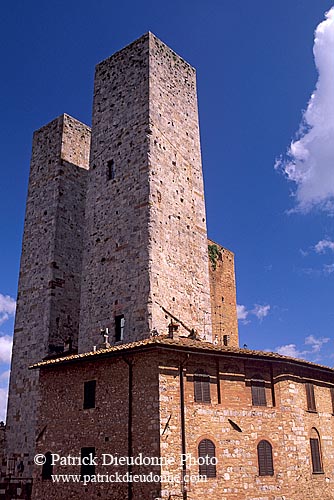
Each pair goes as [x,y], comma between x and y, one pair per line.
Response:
[214,255]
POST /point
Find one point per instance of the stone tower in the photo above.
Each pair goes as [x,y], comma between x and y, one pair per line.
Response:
[145,256]
[47,313]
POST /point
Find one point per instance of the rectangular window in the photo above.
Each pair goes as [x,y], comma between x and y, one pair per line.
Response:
[89,394]
[119,327]
[310,397]
[258,393]
[226,340]
[87,462]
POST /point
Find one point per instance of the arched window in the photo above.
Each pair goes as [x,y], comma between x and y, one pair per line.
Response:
[265,458]
[202,387]
[258,391]
[315,452]
[207,458]
[47,469]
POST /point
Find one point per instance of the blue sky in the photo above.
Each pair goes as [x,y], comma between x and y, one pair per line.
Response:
[256,74]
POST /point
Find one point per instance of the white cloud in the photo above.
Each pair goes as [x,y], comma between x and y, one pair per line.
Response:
[3,403]
[242,312]
[324,245]
[315,343]
[310,158]
[6,343]
[328,269]
[261,311]
[289,350]
[5,375]
[7,307]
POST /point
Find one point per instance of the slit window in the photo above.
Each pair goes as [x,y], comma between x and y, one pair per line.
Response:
[315,452]
[207,458]
[265,458]
[119,327]
[311,406]
[89,394]
[258,391]
[47,469]
[202,387]
[87,462]
[111,170]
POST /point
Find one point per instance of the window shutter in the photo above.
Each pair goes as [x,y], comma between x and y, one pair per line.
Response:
[265,458]
[310,397]
[332,397]
[315,454]
[258,393]
[207,449]
[202,388]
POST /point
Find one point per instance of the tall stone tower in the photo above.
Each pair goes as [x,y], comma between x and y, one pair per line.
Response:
[145,256]
[48,300]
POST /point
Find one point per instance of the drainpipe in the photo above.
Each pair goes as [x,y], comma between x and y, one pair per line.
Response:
[183,428]
[129,362]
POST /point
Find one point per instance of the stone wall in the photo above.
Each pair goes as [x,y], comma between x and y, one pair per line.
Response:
[223,296]
[48,299]
[230,420]
[145,246]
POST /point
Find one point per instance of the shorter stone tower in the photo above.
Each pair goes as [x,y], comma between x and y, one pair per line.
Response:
[48,302]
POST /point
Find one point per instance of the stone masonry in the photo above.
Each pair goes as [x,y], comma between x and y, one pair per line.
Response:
[146,245]
[49,284]
[143,414]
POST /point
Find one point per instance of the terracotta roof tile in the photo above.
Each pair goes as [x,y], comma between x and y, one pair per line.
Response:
[185,343]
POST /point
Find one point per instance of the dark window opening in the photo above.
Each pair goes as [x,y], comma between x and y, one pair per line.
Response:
[119,327]
[315,452]
[89,394]
[207,458]
[47,469]
[311,406]
[111,170]
[258,392]
[332,398]
[265,458]
[87,462]
[202,387]
[226,340]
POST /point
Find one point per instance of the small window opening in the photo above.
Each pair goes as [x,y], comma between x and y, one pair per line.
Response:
[202,387]
[111,170]
[311,406]
[265,458]
[87,462]
[316,452]
[207,458]
[226,339]
[258,391]
[119,327]
[89,394]
[47,469]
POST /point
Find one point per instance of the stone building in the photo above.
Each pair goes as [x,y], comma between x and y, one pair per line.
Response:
[126,316]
